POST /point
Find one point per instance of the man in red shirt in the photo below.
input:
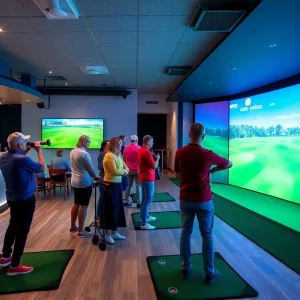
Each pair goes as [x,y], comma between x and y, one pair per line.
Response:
[147,165]
[193,167]
[130,156]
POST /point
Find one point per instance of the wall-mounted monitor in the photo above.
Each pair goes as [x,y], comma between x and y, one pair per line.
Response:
[64,133]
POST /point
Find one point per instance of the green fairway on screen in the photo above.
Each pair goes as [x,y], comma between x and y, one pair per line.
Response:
[214,116]
[64,133]
[264,144]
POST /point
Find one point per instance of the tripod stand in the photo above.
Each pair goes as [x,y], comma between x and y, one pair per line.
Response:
[96,225]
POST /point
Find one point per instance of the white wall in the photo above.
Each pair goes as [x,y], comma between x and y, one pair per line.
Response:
[187,122]
[172,133]
[120,117]
[163,107]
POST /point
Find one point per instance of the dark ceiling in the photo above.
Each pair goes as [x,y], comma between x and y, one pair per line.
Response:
[264,48]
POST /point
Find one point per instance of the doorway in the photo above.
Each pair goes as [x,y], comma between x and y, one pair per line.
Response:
[154,125]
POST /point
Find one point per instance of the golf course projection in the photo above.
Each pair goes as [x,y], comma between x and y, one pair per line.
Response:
[64,133]
[214,116]
[264,144]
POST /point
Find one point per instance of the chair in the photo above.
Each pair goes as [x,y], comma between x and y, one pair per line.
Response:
[41,185]
[54,181]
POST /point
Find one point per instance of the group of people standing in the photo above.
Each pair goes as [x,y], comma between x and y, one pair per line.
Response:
[119,167]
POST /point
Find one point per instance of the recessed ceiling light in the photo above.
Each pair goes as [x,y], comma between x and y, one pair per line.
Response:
[273,45]
[197,91]
[234,69]
[210,83]
[0,103]
[1,30]
[50,72]
[66,83]
[27,100]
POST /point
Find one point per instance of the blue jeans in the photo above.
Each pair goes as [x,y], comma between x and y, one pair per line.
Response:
[205,215]
[124,183]
[147,197]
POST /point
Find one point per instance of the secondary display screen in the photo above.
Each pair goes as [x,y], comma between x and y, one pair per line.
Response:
[64,133]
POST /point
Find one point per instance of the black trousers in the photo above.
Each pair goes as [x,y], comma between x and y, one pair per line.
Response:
[21,214]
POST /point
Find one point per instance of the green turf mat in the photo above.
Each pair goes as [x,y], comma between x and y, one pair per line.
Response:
[280,241]
[158,197]
[176,181]
[285,212]
[48,270]
[164,220]
[165,274]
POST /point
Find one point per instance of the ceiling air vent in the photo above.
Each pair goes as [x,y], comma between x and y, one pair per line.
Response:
[151,102]
[56,78]
[219,18]
[177,71]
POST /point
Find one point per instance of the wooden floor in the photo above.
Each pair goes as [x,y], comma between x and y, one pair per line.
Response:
[121,272]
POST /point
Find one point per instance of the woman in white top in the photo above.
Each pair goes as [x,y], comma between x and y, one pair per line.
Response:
[83,174]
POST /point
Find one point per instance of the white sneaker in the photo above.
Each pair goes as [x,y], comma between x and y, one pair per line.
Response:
[84,234]
[151,219]
[118,236]
[147,227]
[109,239]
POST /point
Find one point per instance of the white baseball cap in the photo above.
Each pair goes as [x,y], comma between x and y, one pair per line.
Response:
[16,138]
[134,137]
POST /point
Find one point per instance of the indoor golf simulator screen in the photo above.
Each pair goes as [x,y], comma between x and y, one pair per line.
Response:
[64,133]
[214,116]
[264,143]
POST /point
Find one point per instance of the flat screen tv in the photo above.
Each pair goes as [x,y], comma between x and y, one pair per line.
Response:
[64,133]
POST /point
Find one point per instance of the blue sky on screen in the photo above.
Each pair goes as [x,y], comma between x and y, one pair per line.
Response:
[76,121]
[269,109]
[212,115]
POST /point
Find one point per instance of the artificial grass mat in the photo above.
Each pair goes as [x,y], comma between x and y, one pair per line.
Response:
[158,197]
[164,220]
[165,274]
[49,267]
[176,181]
[280,241]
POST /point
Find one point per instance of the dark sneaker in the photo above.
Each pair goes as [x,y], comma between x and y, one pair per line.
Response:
[184,274]
[210,279]
[138,205]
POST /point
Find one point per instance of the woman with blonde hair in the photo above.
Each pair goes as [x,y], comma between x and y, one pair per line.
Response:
[112,213]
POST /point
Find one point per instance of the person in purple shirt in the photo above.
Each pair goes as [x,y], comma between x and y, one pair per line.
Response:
[18,172]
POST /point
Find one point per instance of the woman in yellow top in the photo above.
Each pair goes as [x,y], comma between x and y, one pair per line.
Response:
[112,210]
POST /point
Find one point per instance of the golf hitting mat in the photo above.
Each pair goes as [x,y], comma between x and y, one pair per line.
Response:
[49,267]
[165,274]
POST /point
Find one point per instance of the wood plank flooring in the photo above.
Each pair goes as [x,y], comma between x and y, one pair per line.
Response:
[121,272]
